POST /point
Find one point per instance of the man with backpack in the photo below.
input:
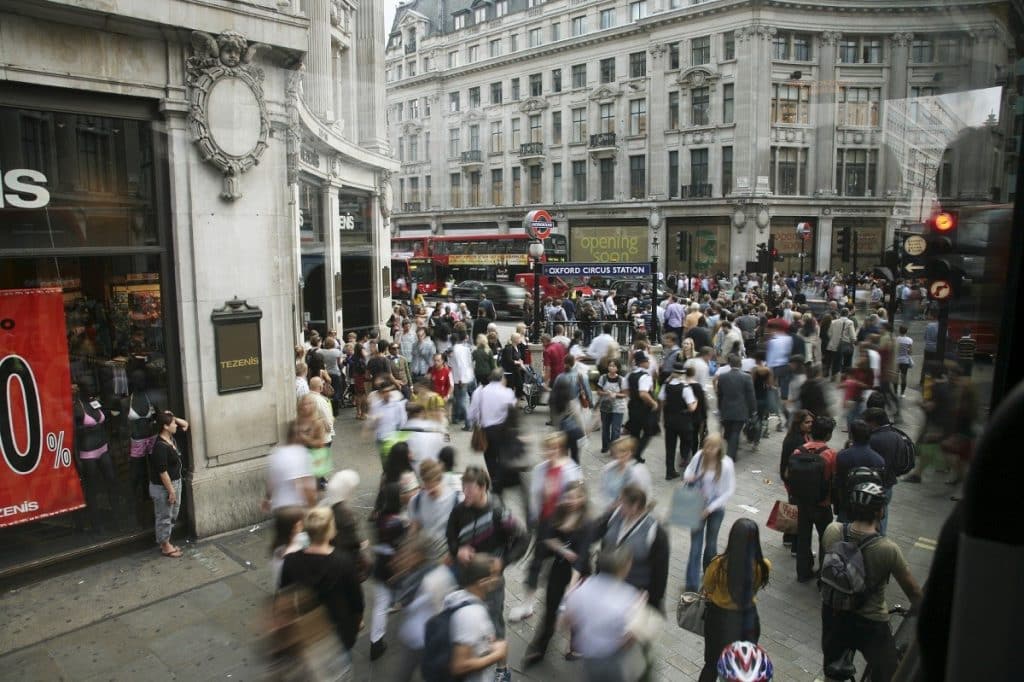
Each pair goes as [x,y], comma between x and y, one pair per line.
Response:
[857,566]
[461,642]
[678,404]
[895,447]
[808,476]
[855,464]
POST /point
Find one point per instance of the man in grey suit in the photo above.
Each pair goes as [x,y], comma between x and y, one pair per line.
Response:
[736,403]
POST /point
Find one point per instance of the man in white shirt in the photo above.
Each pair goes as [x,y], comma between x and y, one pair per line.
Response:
[475,652]
[425,437]
[460,360]
[608,307]
[489,409]
[387,410]
[701,368]
[560,337]
[290,481]
[602,343]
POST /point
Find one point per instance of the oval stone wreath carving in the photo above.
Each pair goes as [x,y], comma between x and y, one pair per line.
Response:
[225,59]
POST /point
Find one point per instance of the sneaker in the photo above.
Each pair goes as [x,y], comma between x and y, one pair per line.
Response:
[519,613]
[672,476]
[911,478]
[377,649]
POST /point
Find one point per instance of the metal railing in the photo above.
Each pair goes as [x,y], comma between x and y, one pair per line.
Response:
[602,140]
[410,47]
[472,156]
[411,206]
[531,149]
[697,191]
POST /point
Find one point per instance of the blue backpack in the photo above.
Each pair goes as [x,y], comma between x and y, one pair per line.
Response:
[437,646]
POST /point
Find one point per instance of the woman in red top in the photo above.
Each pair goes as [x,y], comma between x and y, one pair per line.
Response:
[441,377]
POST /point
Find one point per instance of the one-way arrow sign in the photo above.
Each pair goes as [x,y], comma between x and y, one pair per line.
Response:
[911,268]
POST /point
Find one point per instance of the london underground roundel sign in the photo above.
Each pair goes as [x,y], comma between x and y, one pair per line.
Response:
[538,224]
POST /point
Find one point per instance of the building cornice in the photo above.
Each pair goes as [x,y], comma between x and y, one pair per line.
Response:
[327,140]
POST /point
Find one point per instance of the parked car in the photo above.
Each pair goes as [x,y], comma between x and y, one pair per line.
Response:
[627,288]
[508,299]
[555,287]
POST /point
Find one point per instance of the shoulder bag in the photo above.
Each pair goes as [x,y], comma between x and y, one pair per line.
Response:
[690,612]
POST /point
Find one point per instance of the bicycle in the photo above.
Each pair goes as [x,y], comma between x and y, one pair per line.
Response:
[844,670]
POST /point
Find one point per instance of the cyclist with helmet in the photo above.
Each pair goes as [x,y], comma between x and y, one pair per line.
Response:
[866,629]
[744,662]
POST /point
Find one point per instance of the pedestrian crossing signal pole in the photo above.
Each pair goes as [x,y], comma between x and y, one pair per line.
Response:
[654,289]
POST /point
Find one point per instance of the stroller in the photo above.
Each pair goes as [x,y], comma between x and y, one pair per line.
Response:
[533,385]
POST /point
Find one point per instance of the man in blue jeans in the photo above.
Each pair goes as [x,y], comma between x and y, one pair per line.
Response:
[736,403]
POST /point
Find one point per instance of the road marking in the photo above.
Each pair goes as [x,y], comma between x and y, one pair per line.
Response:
[926,543]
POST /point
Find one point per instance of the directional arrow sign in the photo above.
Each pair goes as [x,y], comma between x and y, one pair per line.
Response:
[911,268]
[940,290]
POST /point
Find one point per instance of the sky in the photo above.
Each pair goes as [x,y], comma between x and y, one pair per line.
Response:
[389,14]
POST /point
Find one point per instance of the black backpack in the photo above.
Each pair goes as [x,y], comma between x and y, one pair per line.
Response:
[806,476]
[437,646]
[905,456]
[700,415]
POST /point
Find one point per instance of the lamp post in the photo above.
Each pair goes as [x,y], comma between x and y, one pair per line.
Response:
[536,253]
[654,290]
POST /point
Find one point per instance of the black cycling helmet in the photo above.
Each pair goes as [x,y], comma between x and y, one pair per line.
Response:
[867,495]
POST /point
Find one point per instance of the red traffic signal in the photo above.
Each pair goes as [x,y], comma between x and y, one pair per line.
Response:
[943,222]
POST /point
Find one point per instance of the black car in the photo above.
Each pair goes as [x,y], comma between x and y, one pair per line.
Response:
[508,299]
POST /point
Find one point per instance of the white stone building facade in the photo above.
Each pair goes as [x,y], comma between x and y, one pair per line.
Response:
[728,121]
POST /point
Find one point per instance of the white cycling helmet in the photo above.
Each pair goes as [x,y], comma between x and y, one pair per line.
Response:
[744,662]
[868,495]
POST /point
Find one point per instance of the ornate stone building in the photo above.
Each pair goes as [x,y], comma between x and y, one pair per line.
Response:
[184,176]
[729,121]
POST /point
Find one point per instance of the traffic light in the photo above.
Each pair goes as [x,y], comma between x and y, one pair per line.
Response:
[681,246]
[942,264]
[843,242]
[773,252]
[762,257]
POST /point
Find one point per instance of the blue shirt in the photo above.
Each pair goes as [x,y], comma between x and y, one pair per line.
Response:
[931,337]
[858,456]
[779,348]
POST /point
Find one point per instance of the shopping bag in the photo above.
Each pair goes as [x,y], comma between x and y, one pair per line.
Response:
[690,612]
[687,506]
[783,517]
[479,440]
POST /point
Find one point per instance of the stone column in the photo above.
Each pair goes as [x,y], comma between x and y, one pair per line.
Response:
[823,101]
[657,123]
[318,90]
[369,37]
[892,172]
[332,251]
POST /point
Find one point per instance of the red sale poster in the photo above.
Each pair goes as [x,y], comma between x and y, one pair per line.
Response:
[37,475]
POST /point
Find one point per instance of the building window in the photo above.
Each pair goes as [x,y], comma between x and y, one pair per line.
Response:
[700,50]
[515,89]
[474,137]
[536,129]
[790,103]
[401,191]
[791,46]
[918,109]
[579,125]
[480,15]
[579,76]
[517,186]
[453,59]
[497,138]
[855,171]
[556,183]
[414,108]
[637,64]
[517,134]
[556,32]
[579,180]
[921,51]
[861,50]
[607,115]
[536,85]
[474,188]
[411,68]
[729,45]
[456,189]
[474,97]
[726,171]
[455,144]
[460,21]
[637,10]
[513,42]
[699,168]
[494,48]
[414,190]
[426,142]
[607,169]
[496,93]
[414,148]
[556,127]
[728,103]
[944,181]
[673,174]
[673,110]
[556,80]
[398,72]
[426,191]
[497,187]
[700,106]
[788,171]
[858,106]
[500,8]
[426,107]
[534,37]
[947,50]
[401,148]
[637,177]
[637,116]
[453,101]
[607,69]
[607,18]
[472,54]
[399,108]
[536,186]
[579,25]
[673,56]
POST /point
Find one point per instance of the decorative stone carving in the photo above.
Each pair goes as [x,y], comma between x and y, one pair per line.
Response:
[605,93]
[293,137]
[385,198]
[765,32]
[696,77]
[657,50]
[830,37]
[227,109]
[761,31]
[533,104]
[744,33]
[902,39]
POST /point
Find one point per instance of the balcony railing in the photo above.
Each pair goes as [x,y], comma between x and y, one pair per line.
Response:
[411,206]
[697,191]
[410,47]
[531,149]
[602,140]
[472,156]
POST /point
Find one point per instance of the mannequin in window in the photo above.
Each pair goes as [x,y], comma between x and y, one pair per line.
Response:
[95,463]
[140,409]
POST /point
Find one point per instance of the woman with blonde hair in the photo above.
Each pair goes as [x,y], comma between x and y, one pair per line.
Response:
[713,472]
[688,351]
[483,360]
[314,431]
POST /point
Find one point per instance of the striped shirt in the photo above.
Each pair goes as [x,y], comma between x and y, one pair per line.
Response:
[965,348]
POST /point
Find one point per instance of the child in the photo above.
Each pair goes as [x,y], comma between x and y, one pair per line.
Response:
[441,377]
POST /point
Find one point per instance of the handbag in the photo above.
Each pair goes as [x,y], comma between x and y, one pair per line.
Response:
[687,506]
[690,612]
[479,439]
[783,517]
[584,400]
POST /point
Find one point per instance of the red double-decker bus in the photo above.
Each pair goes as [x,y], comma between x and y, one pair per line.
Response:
[488,258]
